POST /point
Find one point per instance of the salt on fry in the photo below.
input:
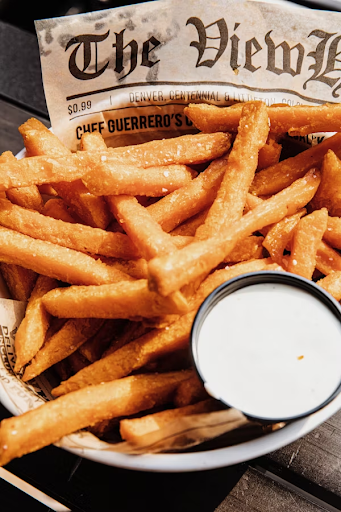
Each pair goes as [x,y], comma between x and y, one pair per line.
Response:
[68,339]
[132,356]
[307,237]
[191,199]
[169,273]
[75,236]
[145,233]
[241,166]
[298,120]
[327,259]
[332,235]
[39,140]
[53,420]
[55,261]
[111,178]
[31,333]
[183,150]
[37,170]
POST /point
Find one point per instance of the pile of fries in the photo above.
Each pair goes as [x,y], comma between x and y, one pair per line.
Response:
[115,249]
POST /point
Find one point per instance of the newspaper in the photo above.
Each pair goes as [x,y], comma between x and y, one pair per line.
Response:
[128,72]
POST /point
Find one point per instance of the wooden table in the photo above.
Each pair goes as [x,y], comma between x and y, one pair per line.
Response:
[304,476]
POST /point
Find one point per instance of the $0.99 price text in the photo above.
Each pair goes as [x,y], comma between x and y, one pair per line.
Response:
[79,107]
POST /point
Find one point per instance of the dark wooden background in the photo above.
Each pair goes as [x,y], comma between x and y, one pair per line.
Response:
[304,476]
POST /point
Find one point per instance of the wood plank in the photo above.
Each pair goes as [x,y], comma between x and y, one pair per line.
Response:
[317,456]
[256,493]
[20,71]
[10,119]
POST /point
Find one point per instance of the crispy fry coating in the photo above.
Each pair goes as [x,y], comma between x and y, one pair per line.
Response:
[57,418]
[241,166]
[30,336]
[132,356]
[67,340]
[129,299]
[55,261]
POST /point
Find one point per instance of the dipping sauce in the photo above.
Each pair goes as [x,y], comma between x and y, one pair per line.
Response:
[271,350]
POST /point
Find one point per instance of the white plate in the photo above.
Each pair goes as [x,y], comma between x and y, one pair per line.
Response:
[17,397]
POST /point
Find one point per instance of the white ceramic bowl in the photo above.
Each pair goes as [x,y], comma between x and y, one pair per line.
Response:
[17,397]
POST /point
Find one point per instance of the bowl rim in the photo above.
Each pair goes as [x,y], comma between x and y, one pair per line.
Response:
[201,460]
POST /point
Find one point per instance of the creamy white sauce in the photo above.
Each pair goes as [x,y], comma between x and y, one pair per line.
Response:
[270,350]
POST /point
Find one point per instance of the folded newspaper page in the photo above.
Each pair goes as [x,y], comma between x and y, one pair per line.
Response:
[128,72]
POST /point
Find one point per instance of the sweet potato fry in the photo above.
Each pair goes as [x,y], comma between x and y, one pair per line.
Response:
[307,237]
[277,177]
[31,333]
[68,339]
[55,261]
[75,236]
[328,194]
[51,421]
[241,166]
[327,260]
[298,120]
[191,199]
[183,150]
[132,356]
[20,281]
[122,300]
[130,429]
[169,273]
[332,284]
[112,178]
